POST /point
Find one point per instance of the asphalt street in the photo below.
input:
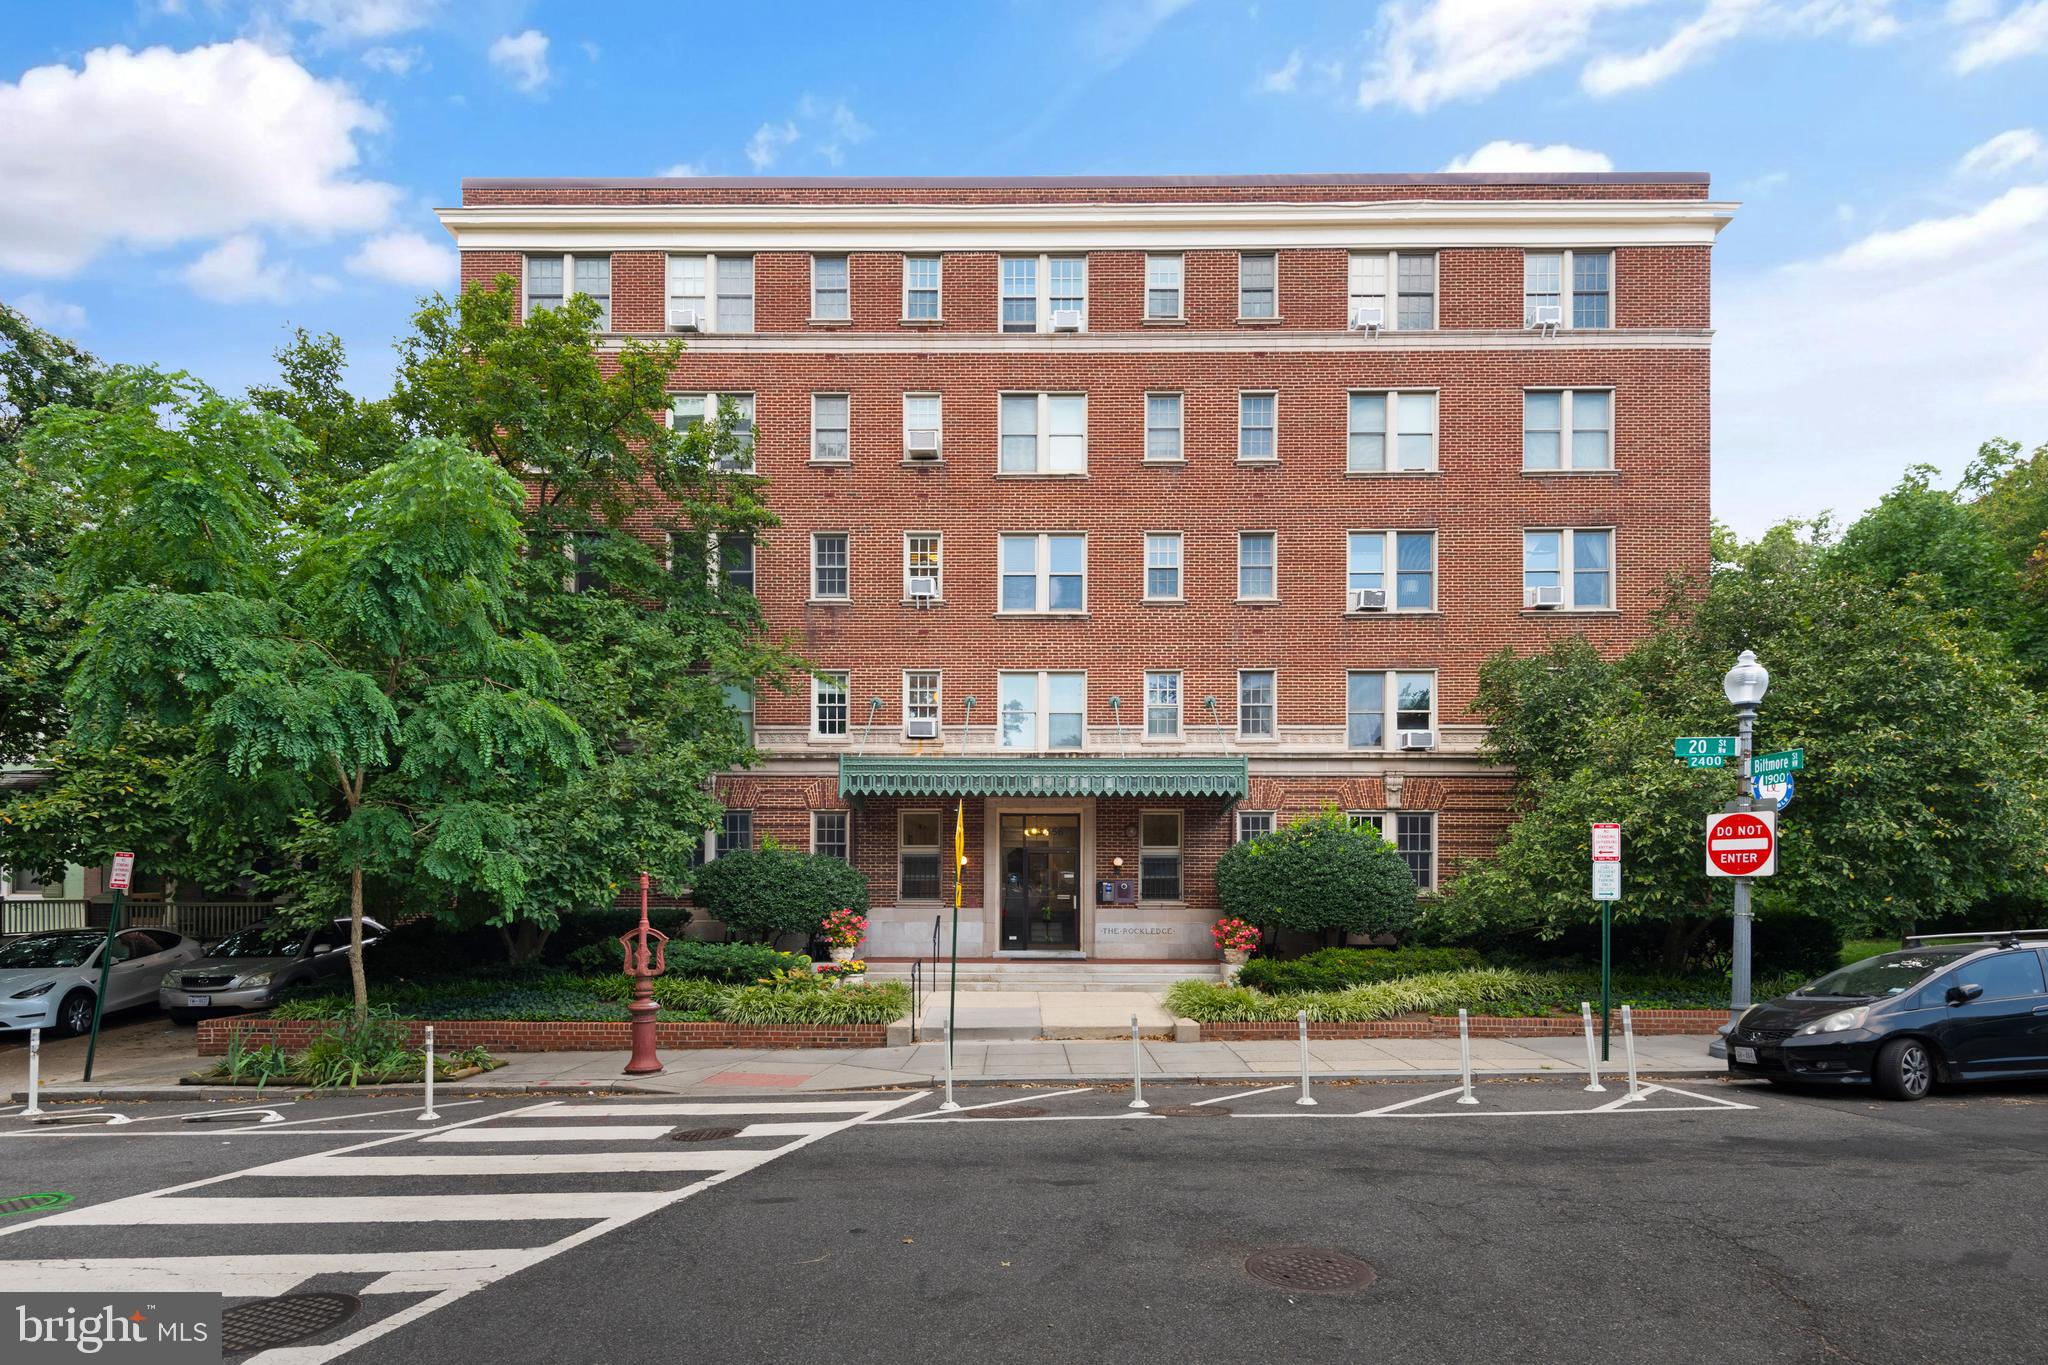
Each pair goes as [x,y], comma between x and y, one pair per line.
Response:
[1706,1222]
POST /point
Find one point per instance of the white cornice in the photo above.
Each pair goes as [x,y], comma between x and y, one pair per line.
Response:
[1165,341]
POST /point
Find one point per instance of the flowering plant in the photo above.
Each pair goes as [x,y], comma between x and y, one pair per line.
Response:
[845,929]
[834,973]
[1234,935]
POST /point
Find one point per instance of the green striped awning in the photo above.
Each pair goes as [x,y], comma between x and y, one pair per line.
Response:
[1216,777]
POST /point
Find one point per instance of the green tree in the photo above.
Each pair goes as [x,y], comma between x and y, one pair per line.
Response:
[1318,875]
[365,656]
[346,437]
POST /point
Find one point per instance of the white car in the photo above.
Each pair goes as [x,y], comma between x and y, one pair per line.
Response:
[49,981]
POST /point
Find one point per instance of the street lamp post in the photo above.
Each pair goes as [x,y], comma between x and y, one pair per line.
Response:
[1744,685]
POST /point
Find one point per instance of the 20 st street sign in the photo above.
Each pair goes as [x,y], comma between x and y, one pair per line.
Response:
[1705,751]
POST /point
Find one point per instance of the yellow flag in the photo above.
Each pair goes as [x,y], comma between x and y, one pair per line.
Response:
[959,850]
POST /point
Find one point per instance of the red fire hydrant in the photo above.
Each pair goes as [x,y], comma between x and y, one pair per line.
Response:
[646,958]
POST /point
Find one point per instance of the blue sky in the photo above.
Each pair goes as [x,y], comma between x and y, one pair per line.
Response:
[187,178]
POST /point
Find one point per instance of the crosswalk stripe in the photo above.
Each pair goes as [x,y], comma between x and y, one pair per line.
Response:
[620,1111]
[519,1163]
[425,1208]
[561,1132]
[786,1129]
[402,1272]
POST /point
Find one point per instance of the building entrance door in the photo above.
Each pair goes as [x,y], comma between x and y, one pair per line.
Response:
[1040,870]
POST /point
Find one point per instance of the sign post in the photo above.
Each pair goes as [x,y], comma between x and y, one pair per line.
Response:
[959,869]
[118,880]
[1606,890]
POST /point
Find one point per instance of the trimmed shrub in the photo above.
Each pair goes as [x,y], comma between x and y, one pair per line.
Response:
[1316,876]
[1431,993]
[600,928]
[764,893]
[880,1003]
[1336,969]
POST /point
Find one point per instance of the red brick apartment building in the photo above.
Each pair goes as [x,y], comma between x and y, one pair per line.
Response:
[1142,513]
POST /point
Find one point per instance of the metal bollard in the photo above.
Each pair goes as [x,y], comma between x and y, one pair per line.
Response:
[1137,1070]
[1465,1059]
[1301,1016]
[35,1073]
[949,1105]
[1628,1046]
[1592,1056]
[428,1115]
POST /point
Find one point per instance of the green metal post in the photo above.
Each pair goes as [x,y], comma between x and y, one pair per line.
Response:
[953,984]
[1606,975]
[99,1002]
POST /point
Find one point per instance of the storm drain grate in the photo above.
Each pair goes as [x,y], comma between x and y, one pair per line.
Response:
[1006,1111]
[703,1134]
[283,1320]
[1190,1111]
[1315,1270]
[33,1203]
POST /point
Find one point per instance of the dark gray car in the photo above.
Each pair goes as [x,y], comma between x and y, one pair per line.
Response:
[250,969]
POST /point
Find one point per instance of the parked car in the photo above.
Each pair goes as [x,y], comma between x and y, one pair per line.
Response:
[1939,1010]
[250,968]
[50,980]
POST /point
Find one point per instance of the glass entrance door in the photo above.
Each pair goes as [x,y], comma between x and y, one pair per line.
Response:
[1041,883]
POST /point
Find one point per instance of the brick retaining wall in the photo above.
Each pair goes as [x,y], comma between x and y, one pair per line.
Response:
[582,1036]
[1647,1023]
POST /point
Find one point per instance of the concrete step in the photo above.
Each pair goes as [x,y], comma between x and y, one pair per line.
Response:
[1040,975]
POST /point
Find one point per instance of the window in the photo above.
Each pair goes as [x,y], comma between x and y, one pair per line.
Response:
[735,832]
[1162,566]
[1256,417]
[830,575]
[920,288]
[734,443]
[923,557]
[1020,293]
[917,855]
[18,884]
[590,275]
[583,549]
[739,698]
[828,705]
[1159,855]
[733,557]
[1253,823]
[829,834]
[1162,426]
[828,289]
[1588,414]
[1162,706]
[1579,565]
[718,291]
[1042,433]
[1367,724]
[1578,284]
[1256,295]
[1415,841]
[921,696]
[1044,573]
[1410,305]
[1162,287]
[1256,573]
[921,412]
[1255,718]
[1367,819]
[1415,279]
[1411,417]
[1414,567]
[1036,288]
[2005,976]
[829,420]
[1042,710]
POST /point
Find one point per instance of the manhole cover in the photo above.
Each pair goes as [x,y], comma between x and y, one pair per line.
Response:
[703,1134]
[1190,1111]
[283,1320]
[1006,1111]
[32,1203]
[1316,1270]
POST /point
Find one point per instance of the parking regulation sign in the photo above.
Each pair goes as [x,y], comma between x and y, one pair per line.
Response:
[123,872]
[1742,844]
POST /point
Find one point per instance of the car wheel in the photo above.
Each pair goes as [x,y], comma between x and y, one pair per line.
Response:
[1905,1070]
[74,1016]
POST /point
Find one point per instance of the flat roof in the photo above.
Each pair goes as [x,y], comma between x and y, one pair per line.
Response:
[1085,182]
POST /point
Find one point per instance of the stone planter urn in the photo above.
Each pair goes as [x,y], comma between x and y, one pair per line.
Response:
[1233,961]
[843,955]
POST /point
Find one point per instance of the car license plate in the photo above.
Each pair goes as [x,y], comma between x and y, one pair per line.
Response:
[199,1001]
[1746,1054]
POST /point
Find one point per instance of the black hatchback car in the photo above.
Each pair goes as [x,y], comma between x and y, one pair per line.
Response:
[1937,1010]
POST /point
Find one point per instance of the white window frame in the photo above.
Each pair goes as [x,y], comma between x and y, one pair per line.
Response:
[1427,883]
[1178,848]
[1390,568]
[1146,705]
[820,683]
[715,843]
[1273,458]
[1042,288]
[749,403]
[846,431]
[1041,563]
[909,850]
[938,418]
[845,539]
[1567,570]
[569,289]
[1179,567]
[937,704]
[1274,733]
[845,259]
[937,571]
[1390,706]
[1274,537]
[707,303]
[845,819]
[1180,428]
[1390,438]
[1567,445]
[938,287]
[1274,316]
[1043,433]
[1564,283]
[1270,817]
[1388,295]
[1041,715]
[1179,286]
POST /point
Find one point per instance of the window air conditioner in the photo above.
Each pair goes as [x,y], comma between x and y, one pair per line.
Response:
[1547,315]
[1542,599]
[921,727]
[1368,317]
[1418,739]
[1368,599]
[923,587]
[684,320]
[1066,319]
[921,443]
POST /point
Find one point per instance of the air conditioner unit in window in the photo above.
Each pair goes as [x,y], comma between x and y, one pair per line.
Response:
[1066,319]
[1546,316]
[921,727]
[685,320]
[1368,599]
[1542,599]
[921,443]
[1368,317]
[923,587]
[1418,739]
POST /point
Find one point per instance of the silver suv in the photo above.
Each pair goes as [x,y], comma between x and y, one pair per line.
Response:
[249,969]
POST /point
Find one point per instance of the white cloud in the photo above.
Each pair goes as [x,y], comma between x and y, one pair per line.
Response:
[393,61]
[1282,78]
[836,126]
[1504,156]
[522,58]
[1932,241]
[1721,20]
[158,147]
[2014,149]
[357,20]
[1434,51]
[53,315]
[683,170]
[768,142]
[2022,33]
[1119,28]
[405,258]
[238,270]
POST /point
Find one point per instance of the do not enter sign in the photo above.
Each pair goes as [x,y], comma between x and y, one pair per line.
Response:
[1742,844]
